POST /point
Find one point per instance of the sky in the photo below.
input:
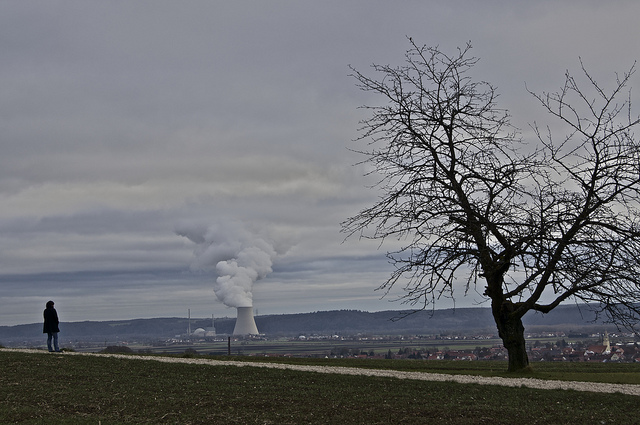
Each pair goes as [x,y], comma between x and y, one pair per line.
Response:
[155,151]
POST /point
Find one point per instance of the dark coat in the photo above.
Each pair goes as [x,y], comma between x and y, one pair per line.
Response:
[50,321]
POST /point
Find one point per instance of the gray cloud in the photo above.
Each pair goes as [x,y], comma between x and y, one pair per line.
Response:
[121,120]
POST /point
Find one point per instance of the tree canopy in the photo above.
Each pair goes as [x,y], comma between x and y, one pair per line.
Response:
[527,223]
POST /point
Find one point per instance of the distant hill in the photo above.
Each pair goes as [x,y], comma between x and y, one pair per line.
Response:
[460,320]
[341,322]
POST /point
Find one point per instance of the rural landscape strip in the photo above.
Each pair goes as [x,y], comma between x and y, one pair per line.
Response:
[629,389]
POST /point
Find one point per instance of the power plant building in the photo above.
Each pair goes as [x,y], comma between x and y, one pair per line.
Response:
[245,323]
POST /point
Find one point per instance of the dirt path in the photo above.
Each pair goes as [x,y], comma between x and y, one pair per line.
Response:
[629,389]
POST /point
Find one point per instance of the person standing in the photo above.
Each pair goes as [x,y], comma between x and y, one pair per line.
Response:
[51,326]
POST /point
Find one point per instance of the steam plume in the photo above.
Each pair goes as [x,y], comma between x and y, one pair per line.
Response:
[238,256]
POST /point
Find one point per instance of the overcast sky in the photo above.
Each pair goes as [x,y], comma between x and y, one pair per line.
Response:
[137,136]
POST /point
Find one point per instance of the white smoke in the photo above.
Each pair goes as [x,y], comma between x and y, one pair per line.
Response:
[238,256]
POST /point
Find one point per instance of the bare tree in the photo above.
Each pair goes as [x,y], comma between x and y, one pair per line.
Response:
[527,225]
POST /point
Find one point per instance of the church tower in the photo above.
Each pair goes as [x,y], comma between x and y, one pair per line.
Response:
[606,343]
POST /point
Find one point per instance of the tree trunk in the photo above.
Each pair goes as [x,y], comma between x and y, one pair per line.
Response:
[511,330]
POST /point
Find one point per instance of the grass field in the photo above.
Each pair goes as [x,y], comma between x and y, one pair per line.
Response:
[325,347]
[64,389]
[613,373]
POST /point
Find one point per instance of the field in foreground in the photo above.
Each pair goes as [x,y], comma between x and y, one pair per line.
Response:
[64,389]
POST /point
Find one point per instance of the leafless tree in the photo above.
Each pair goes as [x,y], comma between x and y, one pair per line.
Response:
[527,225]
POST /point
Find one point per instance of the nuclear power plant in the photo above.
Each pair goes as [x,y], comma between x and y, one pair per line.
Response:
[245,324]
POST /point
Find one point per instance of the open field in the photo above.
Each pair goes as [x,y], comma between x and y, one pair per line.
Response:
[325,347]
[286,347]
[612,373]
[65,389]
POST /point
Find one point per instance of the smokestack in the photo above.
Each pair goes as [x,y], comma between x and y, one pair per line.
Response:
[245,324]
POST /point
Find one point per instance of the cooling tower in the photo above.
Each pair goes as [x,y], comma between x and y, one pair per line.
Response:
[245,325]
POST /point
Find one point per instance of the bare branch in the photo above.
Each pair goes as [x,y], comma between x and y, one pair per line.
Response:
[473,202]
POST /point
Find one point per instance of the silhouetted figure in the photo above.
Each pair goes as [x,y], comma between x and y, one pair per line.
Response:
[51,326]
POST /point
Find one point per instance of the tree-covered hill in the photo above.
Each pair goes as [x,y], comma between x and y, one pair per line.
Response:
[341,322]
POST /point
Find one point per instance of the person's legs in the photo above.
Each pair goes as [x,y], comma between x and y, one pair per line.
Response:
[55,341]
[49,337]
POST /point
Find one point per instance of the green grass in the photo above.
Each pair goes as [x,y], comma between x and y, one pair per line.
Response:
[66,389]
[614,373]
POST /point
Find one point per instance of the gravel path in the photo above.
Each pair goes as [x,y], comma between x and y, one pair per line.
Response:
[629,389]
